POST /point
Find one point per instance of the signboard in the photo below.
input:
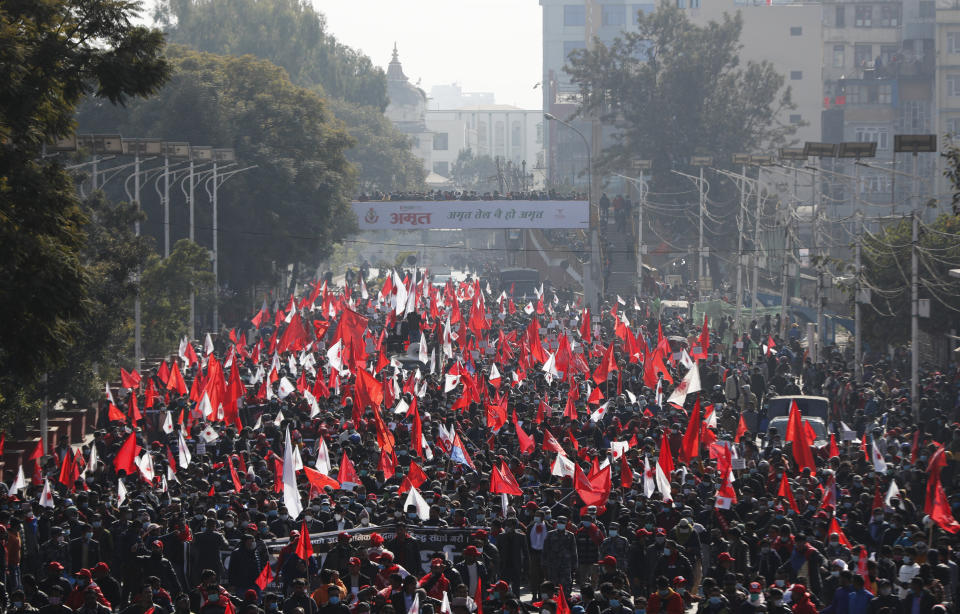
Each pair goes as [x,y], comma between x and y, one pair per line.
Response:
[471,214]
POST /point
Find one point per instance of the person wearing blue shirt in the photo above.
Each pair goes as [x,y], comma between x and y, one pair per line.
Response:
[859,598]
[841,597]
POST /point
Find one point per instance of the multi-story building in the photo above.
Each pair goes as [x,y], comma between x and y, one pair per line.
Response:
[947,89]
[787,35]
[438,136]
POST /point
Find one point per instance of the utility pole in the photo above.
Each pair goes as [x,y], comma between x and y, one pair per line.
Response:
[756,246]
[740,221]
[787,256]
[700,241]
[818,255]
[858,289]
[166,203]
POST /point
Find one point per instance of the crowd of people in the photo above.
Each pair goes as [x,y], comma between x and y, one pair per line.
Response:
[514,457]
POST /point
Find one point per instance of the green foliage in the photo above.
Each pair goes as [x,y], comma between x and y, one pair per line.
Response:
[474,172]
[54,53]
[886,271]
[290,208]
[381,154]
[166,286]
[672,90]
[293,35]
[111,256]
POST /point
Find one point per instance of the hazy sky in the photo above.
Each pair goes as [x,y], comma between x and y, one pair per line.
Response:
[484,45]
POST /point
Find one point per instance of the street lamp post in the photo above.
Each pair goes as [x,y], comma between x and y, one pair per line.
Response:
[799,157]
[819,151]
[588,280]
[702,162]
[915,144]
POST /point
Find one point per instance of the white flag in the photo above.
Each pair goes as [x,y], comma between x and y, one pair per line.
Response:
[182,350]
[92,459]
[208,345]
[689,384]
[121,492]
[562,467]
[879,464]
[323,458]
[423,356]
[183,452]
[402,407]
[19,483]
[209,434]
[415,499]
[363,289]
[401,294]
[279,419]
[46,497]
[285,388]
[663,484]
[445,604]
[291,496]
[333,356]
[145,463]
[414,605]
[598,415]
[649,482]
[297,461]
[619,448]
[109,394]
[205,408]
[892,492]
[168,423]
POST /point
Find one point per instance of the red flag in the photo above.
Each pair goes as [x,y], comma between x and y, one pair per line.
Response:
[585,326]
[835,529]
[915,448]
[265,577]
[802,452]
[562,607]
[502,481]
[114,414]
[317,480]
[237,487]
[127,455]
[129,380]
[877,497]
[741,430]
[626,473]
[347,474]
[478,596]
[787,493]
[666,458]
[388,463]
[833,450]
[66,471]
[416,475]
[304,548]
[941,513]
[607,365]
[690,446]
[176,380]
[527,444]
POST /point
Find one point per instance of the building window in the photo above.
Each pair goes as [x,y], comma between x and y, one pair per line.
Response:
[574,15]
[499,137]
[440,141]
[838,56]
[614,15]
[482,135]
[840,19]
[889,16]
[885,93]
[862,55]
[681,4]
[796,30]
[927,9]
[571,46]
[953,126]
[637,9]
[796,75]
[694,4]
[914,116]
[863,16]
[953,42]
[852,94]
[539,133]
[795,118]
[441,168]
[516,136]
[887,52]
[873,134]
[953,84]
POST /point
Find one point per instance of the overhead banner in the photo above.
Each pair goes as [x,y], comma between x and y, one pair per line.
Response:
[471,214]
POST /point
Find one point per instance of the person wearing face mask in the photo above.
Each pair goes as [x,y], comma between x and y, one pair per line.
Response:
[300,599]
[405,548]
[664,600]
[618,602]
[245,566]
[334,604]
[55,595]
[514,554]
[884,599]
[282,524]
[207,546]
[155,564]
[56,548]
[84,549]
[775,604]
[536,536]
[84,585]
[768,561]
[909,569]
[341,520]
[560,555]
[589,538]
[615,545]
[54,578]
[19,603]
[672,562]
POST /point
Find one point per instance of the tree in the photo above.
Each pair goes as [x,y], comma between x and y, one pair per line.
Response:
[293,35]
[672,90]
[289,209]
[166,287]
[111,255]
[474,172]
[54,53]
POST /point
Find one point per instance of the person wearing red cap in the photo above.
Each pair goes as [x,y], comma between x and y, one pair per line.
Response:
[435,583]
[472,568]
[84,583]
[610,572]
[107,583]
[155,564]
[354,578]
